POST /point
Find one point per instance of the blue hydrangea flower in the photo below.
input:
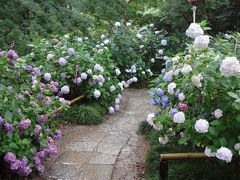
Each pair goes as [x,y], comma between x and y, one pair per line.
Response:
[160,92]
[173,111]
[165,100]
[163,71]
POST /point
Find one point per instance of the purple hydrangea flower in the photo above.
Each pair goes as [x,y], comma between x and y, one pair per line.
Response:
[101,78]
[84,76]
[47,101]
[1,53]
[40,168]
[37,71]
[29,68]
[62,61]
[37,160]
[39,95]
[24,161]
[58,135]
[12,55]
[37,128]
[26,171]
[43,118]
[19,110]
[71,51]
[24,124]
[8,127]
[15,165]
[10,157]
[20,97]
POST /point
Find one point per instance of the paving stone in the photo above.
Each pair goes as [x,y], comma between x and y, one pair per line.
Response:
[92,136]
[99,158]
[82,146]
[74,158]
[107,148]
[64,172]
[96,172]
[116,139]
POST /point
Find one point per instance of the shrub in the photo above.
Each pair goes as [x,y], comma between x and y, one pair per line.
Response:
[198,98]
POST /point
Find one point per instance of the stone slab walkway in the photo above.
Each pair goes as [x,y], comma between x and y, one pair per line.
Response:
[105,151]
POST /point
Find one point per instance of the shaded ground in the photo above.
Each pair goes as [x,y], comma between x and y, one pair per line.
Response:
[111,150]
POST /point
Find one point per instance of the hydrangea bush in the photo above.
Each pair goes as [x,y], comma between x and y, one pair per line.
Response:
[197,96]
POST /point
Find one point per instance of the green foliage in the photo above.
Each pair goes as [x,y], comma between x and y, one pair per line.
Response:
[144,128]
[83,114]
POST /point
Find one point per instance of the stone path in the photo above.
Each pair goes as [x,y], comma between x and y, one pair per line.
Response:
[106,151]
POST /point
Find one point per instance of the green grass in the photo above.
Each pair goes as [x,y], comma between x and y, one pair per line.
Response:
[198,169]
[83,114]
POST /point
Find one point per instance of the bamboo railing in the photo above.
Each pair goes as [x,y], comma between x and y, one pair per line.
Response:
[71,102]
[175,156]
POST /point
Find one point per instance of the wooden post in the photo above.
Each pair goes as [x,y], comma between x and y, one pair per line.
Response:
[175,156]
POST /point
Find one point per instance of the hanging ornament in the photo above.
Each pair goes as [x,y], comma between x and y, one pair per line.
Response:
[193,2]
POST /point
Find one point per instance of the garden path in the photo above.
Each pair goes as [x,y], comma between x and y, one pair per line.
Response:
[111,150]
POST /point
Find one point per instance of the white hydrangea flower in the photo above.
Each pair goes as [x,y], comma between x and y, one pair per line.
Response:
[164,42]
[103,36]
[181,97]
[201,42]
[119,97]
[157,32]
[230,66]
[163,140]
[134,79]
[117,101]
[128,24]
[152,60]
[237,146]
[196,80]
[100,84]
[120,85]
[160,52]
[208,152]
[47,77]
[175,59]
[111,110]
[117,24]
[80,40]
[194,30]
[171,88]
[218,113]
[224,154]
[112,88]
[179,117]
[84,76]
[89,71]
[141,46]
[66,36]
[97,93]
[150,119]
[139,36]
[106,41]
[65,90]
[143,72]
[117,108]
[63,75]
[100,51]
[118,72]
[186,69]
[201,126]
[50,56]
[151,25]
